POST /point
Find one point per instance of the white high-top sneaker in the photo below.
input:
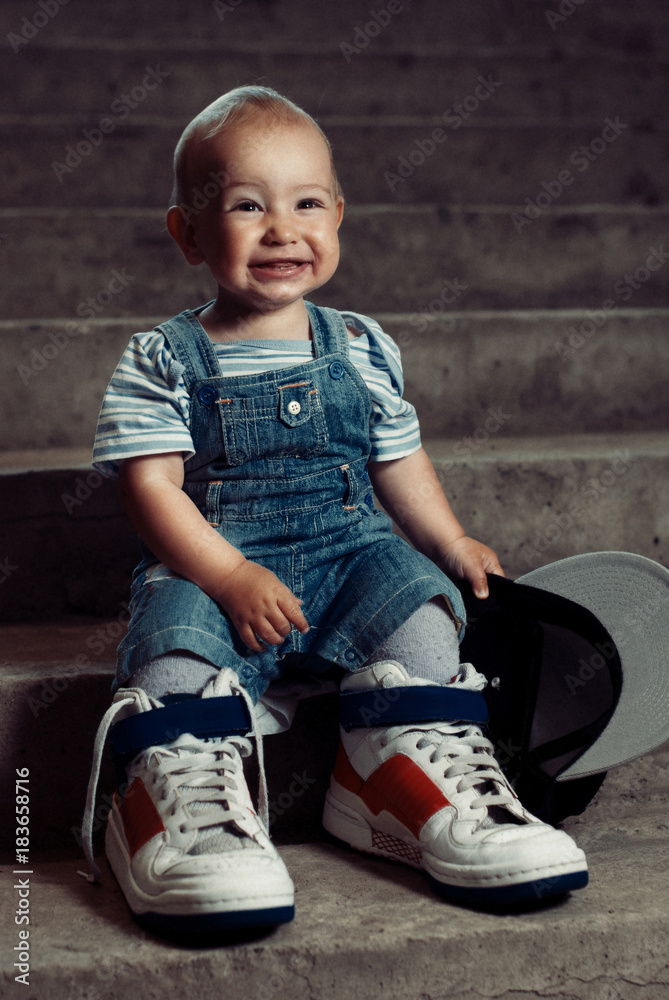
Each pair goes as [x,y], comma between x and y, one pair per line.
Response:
[183,838]
[431,794]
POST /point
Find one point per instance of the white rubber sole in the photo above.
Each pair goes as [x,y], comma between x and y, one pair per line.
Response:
[177,911]
[458,882]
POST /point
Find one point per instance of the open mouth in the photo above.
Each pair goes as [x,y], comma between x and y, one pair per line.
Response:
[280,267]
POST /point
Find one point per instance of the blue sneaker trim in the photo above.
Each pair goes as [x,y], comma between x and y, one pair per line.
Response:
[201,717]
[206,923]
[521,892]
[398,705]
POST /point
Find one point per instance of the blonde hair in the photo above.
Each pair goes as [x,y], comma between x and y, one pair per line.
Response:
[235,108]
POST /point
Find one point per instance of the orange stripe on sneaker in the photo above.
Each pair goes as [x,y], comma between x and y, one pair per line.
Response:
[141,819]
[401,787]
[398,785]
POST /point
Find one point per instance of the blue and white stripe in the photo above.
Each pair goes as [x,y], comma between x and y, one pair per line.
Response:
[146,408]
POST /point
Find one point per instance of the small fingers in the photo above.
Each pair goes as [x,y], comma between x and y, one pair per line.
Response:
[293,613]
[479,586]
[271,629]
[249,638]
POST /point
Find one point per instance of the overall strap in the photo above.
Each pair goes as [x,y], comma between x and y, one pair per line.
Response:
[191,347]
[328,329]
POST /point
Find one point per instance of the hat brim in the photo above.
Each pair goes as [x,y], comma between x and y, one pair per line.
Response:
[629,594]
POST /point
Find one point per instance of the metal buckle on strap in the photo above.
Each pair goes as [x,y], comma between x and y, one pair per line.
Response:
[397,705]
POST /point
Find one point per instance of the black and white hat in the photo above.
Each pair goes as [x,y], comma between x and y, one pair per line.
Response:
[577,658]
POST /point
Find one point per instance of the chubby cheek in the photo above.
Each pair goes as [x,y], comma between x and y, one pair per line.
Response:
[331,256]
[328,244]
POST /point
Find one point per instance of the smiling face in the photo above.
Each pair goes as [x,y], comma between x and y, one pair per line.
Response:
[269,236]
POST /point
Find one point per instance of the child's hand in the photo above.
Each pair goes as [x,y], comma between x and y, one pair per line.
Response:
[470,560]
[260,606]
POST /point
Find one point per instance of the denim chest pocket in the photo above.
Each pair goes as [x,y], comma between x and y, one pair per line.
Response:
[288,421]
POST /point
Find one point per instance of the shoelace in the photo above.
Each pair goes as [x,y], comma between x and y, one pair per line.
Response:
[218,686]
[471,757]
[476,767]
[203,779]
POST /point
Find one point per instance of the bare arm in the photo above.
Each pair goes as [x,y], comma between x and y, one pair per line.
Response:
[173,528]
[409,490]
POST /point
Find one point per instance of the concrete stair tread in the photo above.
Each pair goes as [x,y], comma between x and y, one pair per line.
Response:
[43,460]
[569,257]
[387,84]
[366,927]
[576,370]
[69,548]
[376,162]
[56,678]
[529,487]
[49,648]
[298,26]
[547,446]
[509,448]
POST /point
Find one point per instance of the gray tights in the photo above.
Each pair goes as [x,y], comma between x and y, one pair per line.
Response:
[426,645]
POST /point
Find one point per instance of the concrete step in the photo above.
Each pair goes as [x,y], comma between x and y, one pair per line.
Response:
[302,27]
[526,87]
[380,159]
[364,927]
[103,263]
[55,679]
[67,548]
[536,500]
[350,933]
[576,370]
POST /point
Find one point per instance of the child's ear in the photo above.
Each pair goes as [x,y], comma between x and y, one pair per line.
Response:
[183,235]
[339,206]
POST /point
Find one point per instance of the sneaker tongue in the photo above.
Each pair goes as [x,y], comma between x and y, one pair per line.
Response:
[500,816]
[212,839]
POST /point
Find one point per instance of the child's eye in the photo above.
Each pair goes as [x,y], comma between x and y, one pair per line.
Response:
[309,203]
[247,206]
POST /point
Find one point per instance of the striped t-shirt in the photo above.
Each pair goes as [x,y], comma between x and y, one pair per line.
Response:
[146,408]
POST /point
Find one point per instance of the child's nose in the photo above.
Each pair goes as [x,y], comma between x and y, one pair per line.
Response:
[281,229]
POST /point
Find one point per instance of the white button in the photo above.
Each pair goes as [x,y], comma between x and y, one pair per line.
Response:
[294,406]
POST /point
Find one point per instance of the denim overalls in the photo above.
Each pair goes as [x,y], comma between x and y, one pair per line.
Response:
[280,471]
